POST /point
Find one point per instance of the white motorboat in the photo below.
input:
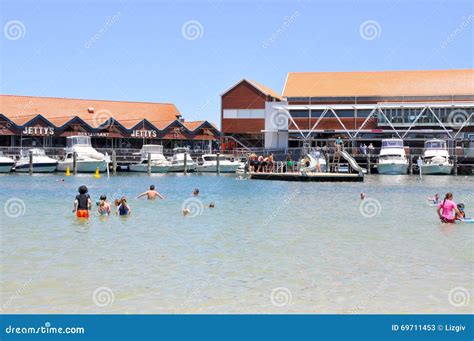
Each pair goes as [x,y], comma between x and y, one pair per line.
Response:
[158,162]
[392,159]
[6,163]
[177,161]
[208,163]
[436,158]
[87,158]
[41,163]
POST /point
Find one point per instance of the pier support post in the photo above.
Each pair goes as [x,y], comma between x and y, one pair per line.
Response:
[185,162]
[218,165]
[455,165]
[410,165]
[368,165]
[114,162]
[74,163]
[149,164]
[30,169]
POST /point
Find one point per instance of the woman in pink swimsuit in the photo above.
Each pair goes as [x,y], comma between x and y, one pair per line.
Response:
[447,209]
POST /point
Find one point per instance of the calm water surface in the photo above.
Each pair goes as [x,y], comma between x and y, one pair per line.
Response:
[267,247]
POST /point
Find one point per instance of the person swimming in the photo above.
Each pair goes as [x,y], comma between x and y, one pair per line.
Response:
[362,195]
[212,204]
[435,200]
[196,192]
[123,209]
[82,203]
[104,206]
[151,194]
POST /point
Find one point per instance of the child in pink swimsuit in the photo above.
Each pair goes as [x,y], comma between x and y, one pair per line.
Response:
[446,208]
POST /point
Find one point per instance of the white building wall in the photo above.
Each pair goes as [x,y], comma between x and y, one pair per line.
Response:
[276,125]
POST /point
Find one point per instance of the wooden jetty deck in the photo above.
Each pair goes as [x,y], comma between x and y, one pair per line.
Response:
[316,177]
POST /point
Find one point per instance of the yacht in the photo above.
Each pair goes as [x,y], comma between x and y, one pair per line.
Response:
[88,159]
[177,161]
[436,158]
[158,162]
[392,159]
[208,163]
[41,162]
[6,163]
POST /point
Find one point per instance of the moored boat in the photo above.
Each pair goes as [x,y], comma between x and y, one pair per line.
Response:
[6,163]
[436,158]
[392,158]
[88,159]
[177,161]
[40,162]
[208,163]
[158,162]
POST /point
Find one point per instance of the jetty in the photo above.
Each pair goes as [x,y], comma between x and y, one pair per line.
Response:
[306,177]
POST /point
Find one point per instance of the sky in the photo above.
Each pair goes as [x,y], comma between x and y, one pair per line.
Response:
[190,52]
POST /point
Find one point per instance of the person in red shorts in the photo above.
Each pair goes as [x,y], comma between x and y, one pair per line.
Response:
[446,208]
[82,203]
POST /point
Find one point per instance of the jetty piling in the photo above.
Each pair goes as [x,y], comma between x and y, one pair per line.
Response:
[30,154]
[74,163]
[149,164]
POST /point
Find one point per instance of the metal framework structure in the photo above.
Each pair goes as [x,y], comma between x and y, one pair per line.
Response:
[379,110]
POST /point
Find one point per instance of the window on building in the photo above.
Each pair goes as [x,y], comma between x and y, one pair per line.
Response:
[299,113]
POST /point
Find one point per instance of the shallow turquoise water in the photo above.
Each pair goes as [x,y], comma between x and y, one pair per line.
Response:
[272,247]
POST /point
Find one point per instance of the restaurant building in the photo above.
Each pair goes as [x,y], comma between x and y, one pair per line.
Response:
[46,122]
[316,107]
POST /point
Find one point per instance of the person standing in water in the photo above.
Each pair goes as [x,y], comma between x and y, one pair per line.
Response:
[82,203]
[104,206]
[151,194]
[123,209]
[447,209]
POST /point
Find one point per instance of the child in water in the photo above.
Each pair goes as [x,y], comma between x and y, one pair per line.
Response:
[104,206]
[461,214]
[82,203]
[122,208]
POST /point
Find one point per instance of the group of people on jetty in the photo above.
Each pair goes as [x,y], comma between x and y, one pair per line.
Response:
[83,203]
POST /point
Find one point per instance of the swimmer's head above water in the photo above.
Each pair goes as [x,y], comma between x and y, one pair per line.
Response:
[196,192]
[152,187]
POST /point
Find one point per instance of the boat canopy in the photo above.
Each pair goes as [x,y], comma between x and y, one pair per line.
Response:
[34,152]
[181,150]
[435,144]
[78,140]
[392,143]
[213,157]
[152,149]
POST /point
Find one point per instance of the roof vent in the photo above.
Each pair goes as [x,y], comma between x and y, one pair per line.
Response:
[90,110]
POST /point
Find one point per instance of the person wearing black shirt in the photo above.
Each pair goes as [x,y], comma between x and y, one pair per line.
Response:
[82,203]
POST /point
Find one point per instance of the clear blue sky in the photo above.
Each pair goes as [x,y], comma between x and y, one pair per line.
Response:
[139,52]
